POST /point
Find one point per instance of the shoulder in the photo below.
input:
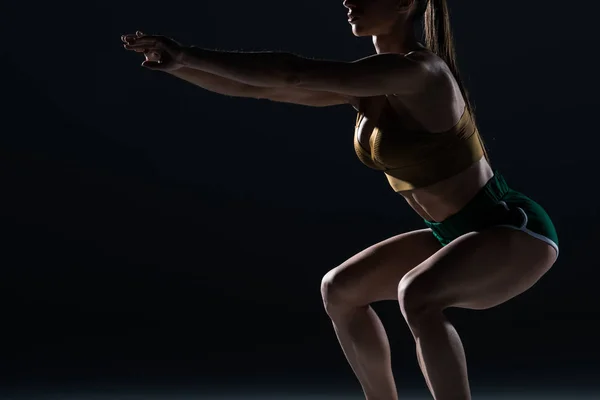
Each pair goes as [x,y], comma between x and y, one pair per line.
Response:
[433,64]
[406,75]
[421,70]
[438,78]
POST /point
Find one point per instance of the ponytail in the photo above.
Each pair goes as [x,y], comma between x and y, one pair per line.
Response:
[439,39]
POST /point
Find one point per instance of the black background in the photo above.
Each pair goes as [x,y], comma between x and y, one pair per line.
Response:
[156,233]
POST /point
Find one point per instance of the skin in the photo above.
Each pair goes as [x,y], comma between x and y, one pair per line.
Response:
[477,271]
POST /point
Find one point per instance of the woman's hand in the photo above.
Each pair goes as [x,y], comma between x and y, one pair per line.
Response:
[162,53]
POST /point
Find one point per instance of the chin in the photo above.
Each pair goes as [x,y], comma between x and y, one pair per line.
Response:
[360,31]
[363,27]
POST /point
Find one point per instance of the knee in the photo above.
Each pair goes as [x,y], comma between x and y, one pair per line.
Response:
[336,293]
[418,299]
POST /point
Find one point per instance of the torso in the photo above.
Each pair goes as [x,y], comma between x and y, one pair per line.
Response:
[445,198]
[430,111]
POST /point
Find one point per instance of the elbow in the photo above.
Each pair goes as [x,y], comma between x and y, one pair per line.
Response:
[293,77]
[292,72]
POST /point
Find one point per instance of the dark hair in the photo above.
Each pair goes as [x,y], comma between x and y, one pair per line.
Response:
[439,39]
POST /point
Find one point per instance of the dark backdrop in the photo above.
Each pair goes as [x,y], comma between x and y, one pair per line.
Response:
[156,233]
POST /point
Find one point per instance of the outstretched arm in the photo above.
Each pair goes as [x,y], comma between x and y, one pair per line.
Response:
[213,83]
[380,74]
[371,76]
[164,54]
[229,87]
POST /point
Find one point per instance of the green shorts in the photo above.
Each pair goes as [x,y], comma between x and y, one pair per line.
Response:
[497,205]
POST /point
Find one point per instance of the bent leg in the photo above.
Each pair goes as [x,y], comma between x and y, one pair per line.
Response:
[348,290]
[478,271]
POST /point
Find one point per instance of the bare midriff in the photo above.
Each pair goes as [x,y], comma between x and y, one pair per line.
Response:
[442,199]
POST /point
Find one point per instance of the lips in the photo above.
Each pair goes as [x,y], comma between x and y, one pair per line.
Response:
[352,16]
[354,12]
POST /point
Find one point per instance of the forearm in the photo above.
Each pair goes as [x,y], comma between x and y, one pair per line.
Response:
[263,69]
[214,83]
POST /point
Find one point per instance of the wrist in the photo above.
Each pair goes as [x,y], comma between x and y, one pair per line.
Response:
[188,55]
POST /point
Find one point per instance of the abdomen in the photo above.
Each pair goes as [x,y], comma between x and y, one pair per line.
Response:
[445,198]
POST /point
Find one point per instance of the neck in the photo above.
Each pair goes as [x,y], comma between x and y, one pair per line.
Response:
[400,40]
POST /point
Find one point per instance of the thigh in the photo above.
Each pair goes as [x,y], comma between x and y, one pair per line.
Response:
[374,273]
[479,270]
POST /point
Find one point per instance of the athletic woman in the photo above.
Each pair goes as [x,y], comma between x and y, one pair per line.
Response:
[483,242]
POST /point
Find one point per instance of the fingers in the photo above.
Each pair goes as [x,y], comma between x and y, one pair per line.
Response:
[138,47]
[154,47]
[140,42]
[144,44]
[147,41]
[130,37]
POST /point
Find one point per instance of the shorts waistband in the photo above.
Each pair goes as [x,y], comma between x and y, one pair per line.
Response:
[475,214]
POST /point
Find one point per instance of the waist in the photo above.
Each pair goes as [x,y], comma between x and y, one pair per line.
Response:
[479,206]
[445,198]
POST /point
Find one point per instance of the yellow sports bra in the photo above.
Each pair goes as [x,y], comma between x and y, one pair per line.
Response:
[414,159]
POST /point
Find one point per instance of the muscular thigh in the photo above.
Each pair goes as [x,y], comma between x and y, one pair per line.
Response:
[478,270]
[374,273]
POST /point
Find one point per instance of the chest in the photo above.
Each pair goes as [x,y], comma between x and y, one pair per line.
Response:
[386,133]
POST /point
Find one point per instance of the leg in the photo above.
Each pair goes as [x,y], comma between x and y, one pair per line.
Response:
[478,271]
[348,290]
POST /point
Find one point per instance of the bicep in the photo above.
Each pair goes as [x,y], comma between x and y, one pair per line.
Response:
[307,97]
[380,74]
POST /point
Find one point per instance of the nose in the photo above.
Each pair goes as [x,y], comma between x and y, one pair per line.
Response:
[348,4]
